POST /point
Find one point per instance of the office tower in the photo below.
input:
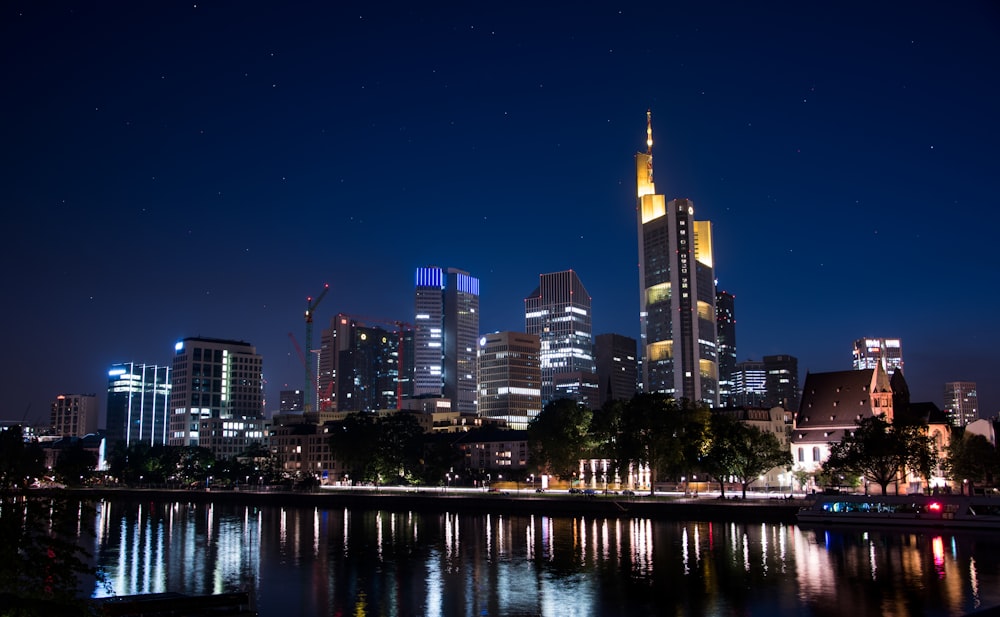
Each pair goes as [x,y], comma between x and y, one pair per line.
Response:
[676,292]
[617,369]
[725,314]
[291,400]
[138,404]
[368,369]
[74,415]
[868,351]
[213,379]
[446,333]
[558,312]
[961,402]
[510,378]
[749,384]
[781,383]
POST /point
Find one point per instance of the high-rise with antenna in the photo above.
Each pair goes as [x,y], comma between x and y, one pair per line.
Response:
[676,291]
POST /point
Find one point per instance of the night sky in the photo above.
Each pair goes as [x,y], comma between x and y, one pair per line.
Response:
[172,170]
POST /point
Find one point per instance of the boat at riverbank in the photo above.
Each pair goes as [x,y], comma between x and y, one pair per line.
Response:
[958,511]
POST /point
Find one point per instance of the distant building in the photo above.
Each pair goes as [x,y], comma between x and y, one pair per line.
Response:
[74,415]
[303,450]
[616,359]
[580,386]
[961,402]
[291,400]
[231,437]
[781,383]
[490,452]
[868,351]
[558,312]
[213,379]
[510,378]
[725,314]
[679,350]
[446,332]
[749,384]
[138,409]
[776,420]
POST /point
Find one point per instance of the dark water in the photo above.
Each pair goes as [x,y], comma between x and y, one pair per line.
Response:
[306,561]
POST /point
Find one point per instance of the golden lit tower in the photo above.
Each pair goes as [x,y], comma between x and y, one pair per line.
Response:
[676,291]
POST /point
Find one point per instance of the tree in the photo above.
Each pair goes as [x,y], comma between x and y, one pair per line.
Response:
[742,451]
[971,457]
[399,446]
[559,437]
[20,462]
[351,444]
[75,464]
[880,451]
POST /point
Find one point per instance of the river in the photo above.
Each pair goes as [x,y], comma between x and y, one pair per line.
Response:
[316,561]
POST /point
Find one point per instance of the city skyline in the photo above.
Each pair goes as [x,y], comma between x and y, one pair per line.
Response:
[199,171]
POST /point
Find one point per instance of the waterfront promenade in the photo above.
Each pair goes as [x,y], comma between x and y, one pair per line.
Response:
[757,509]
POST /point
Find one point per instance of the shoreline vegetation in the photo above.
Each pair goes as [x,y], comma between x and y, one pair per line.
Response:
[665,507]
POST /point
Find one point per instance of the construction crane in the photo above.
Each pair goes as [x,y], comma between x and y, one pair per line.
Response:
[311,305]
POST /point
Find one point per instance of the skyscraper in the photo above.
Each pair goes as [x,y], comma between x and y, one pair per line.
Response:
[781,381]
[749,384]
[74,415]
[446,333]
[213,379]
[368,369]
[617,367]
[510,378]
[868,351]
[725,313]
[558,312]
[676,292]
[961,402]
[138,404]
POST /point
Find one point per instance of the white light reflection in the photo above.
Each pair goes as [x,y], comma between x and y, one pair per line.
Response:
[763,548]
[872,561]
[435,585]
[782,545]
[582,544]
[606,543]
[974,583]
[746,552]
[489,537]
[529,539]
[283,528]
[346,544]
[697,543]
[315,532]
[500,543]
[378,534]
[684,550]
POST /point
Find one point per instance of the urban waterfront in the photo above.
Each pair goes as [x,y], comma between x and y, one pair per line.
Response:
[340,561]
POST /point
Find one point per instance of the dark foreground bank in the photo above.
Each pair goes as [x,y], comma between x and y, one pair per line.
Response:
[615,506]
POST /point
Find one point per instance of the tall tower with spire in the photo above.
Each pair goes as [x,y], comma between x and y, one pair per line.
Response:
[677,315]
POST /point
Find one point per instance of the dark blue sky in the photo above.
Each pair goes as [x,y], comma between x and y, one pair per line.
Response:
[173,170]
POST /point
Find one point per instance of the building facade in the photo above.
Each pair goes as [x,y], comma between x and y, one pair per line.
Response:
[749,384]
[617,365]
[510,378]
[868,351]
[138,409]
[74,415]
[446,334]
[676,292]
[961,403]
[725,315]
[781,382]
[213,379]
[558,312]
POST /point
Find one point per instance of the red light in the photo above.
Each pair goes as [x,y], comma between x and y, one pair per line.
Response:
[934,506]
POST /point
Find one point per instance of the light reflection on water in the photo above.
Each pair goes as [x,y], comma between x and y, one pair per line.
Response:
[312,561]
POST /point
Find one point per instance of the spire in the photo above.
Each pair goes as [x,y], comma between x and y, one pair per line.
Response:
[649,132]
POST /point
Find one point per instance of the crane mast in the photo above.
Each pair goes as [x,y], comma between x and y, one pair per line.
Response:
[311,305]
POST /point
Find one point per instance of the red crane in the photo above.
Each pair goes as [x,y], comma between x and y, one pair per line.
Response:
[311,305]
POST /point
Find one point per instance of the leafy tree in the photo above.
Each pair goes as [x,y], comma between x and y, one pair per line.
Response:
[971,457]
[559,437]
[75,464]
[41,565]
[880,451]
[351,443]
[20,463]
[743,451]
[399,447]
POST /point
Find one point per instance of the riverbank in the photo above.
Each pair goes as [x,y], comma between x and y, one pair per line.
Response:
[705,508]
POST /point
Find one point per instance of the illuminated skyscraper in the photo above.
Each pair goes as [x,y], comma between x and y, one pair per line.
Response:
[676,292]
[558,312]
[961,402]
[446,333]
[213,379]
[868,351]
[782,381]
[510,378]
[725,313]
[749,384]
[138,404]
